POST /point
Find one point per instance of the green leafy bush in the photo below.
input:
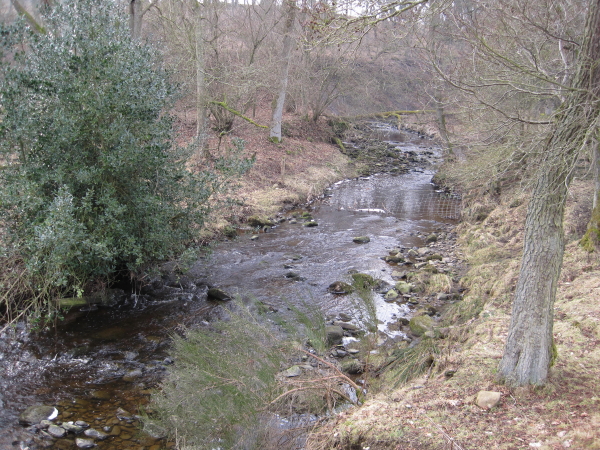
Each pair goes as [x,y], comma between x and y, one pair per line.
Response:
[92,181]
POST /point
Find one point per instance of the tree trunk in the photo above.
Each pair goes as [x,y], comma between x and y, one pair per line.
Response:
[135,18]
[528,354]
[441,120]
[275,133]
[201,103]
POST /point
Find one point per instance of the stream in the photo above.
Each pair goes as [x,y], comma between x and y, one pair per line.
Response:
[100,364]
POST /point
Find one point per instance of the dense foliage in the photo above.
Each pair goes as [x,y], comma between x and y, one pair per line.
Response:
[91,179]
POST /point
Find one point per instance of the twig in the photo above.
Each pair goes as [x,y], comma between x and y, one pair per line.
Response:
[340,373]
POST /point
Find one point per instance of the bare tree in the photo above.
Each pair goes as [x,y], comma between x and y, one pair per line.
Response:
[528,354]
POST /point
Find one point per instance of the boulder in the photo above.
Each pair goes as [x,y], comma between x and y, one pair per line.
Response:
[347,326]
[345,317]
[433,237]
[35,414]
[420,324]
[487,399]
[399,274]
[334,334]
[72,428]
[361,239]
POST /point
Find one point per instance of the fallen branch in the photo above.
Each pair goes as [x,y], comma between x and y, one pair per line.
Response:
[237,113]
[338,371]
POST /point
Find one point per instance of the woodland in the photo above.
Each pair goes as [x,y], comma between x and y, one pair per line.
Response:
[117,118]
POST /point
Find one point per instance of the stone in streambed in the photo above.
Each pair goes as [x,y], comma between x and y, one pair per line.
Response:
[363,280]
[403,287]
[346,326]
[73,428]
[393,259]
[84,443]
[56,431]
[95,434]
[391,295]
[101,395]
[345,317]
[260,222]
[361,239]
[35,414]
[340,287]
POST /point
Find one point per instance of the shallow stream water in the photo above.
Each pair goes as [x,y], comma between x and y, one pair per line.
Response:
[100,365]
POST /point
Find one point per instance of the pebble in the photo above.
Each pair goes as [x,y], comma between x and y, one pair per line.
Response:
[84,443]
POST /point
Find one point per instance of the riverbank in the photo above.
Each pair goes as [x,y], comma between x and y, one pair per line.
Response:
[445,407]
[312,156]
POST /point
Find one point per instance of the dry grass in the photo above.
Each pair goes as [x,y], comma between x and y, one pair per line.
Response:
[438,411]
[292,172]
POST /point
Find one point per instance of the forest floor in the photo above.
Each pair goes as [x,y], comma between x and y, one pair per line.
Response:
[438,410]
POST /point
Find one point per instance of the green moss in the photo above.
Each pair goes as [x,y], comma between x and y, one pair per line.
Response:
[363,281]
[554,351]
[591,239]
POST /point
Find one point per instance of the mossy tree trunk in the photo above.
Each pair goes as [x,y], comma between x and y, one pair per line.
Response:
[528,354]
[591,239]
